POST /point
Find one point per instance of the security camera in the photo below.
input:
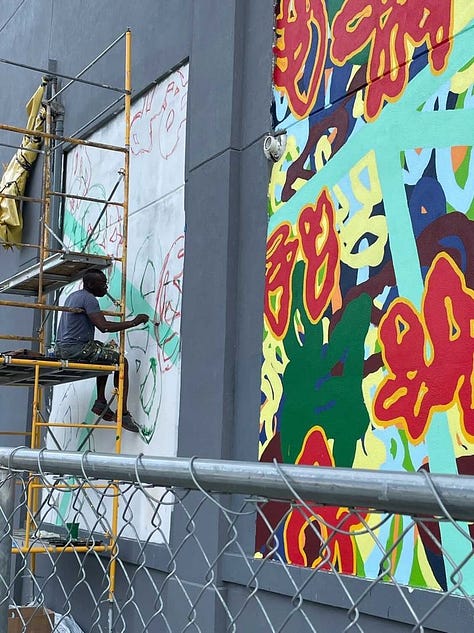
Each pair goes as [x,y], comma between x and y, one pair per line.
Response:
[274,145]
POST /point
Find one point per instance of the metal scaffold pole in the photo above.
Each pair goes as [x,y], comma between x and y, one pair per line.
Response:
[123,295]
[7,495]
[53,270]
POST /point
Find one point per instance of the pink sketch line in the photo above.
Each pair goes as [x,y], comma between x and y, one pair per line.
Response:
[168,305]
[166,120]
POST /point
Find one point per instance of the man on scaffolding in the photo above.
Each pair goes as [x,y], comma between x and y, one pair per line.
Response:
[75,341]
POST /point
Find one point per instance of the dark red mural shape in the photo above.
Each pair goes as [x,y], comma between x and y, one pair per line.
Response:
[317,242]
[300,52]
[429,355]
[431,241]
[390,28]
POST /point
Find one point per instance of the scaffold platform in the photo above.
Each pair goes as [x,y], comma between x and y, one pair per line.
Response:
[57,265]
[57,271]
[21,372]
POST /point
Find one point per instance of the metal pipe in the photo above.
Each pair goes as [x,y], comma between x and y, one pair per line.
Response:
[30,149]
[398,492]
[47,315]
[55,251]
[56,202]
[56,237]
[123,286]
[33,494]
[13,337]
[78,425]
[71,486]
[7,494]
[92,120]
[49,73]
[85,198]
[44,240]
[39,306]
[57,164]
[123,299]
[49,433]
[88,67]
[67,139]
[56,549]
[23,198]
[30,245]
[25,244]
[32,362]
[44,221]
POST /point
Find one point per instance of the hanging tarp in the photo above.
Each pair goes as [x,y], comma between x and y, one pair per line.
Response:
[14,179]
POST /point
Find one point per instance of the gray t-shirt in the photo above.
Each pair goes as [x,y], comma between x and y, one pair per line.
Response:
[74,327]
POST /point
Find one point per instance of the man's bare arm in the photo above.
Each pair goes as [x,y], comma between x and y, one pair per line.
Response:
[102,324]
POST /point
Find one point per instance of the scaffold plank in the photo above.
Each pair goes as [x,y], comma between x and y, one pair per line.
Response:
[59,270]
[51,372]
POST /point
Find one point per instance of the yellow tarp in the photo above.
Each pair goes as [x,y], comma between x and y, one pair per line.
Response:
[14,179]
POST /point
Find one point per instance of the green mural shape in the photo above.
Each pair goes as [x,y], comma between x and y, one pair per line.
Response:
[328,392]
[171,345]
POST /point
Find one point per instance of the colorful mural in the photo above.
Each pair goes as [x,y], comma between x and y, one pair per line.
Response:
[154,272]
[368,341]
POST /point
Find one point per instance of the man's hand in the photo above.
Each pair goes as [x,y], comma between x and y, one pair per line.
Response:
[102,324]
[141,318]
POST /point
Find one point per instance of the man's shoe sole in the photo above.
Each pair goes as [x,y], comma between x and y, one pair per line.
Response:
[130,426]
[103,411]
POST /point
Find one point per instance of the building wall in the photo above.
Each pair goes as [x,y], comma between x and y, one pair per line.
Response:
[367,349]
[22,85]
[228,48]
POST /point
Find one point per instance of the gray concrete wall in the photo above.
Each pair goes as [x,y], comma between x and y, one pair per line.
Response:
[23,38]
[229,46]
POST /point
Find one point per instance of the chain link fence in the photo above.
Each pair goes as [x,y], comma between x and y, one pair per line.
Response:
[209,546]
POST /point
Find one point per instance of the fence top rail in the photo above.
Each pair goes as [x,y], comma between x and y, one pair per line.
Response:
[418,494]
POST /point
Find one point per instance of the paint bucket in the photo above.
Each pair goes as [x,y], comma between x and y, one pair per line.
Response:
[73,529]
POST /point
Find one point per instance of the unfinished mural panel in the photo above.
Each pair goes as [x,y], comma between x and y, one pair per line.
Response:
[154,272]
[368,340]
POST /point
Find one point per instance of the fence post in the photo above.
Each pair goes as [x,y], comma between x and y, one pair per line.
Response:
[7,491]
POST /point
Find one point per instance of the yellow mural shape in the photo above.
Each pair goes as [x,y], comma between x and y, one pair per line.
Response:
[352,227]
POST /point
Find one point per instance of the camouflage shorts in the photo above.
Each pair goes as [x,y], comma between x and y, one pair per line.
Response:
[91,352]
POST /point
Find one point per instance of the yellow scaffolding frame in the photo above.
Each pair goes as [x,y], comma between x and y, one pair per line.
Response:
[42,364]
